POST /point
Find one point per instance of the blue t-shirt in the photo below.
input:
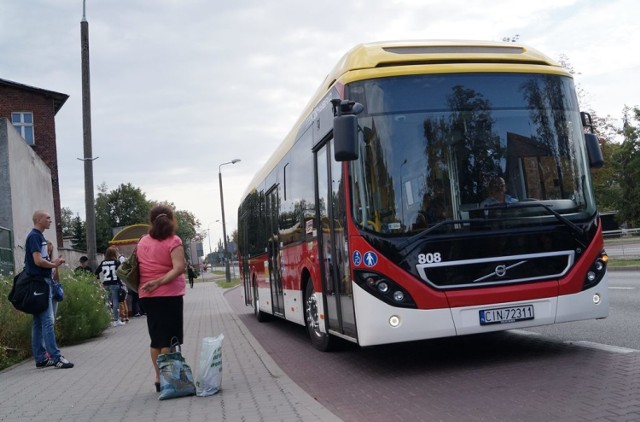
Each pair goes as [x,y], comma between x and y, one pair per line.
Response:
[36,242]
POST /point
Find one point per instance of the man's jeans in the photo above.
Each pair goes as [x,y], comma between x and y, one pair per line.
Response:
[43,337]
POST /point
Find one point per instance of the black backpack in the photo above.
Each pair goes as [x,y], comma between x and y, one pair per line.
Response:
[29,294]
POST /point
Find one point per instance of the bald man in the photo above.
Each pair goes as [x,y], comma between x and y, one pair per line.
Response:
[37,264]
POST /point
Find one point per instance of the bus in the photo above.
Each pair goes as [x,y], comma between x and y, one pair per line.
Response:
[429,189]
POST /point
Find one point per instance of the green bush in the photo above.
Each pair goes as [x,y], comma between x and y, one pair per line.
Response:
[82,314]
[15,331]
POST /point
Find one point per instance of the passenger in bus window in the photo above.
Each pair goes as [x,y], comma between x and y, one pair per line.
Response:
[497,193]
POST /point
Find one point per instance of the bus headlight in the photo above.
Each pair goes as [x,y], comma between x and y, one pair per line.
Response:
[398,296]
[596,272]
[384,289]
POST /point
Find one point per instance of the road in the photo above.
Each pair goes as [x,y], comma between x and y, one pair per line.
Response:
[545,374]
[621,328]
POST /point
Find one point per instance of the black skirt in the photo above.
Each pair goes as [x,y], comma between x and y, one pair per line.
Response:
[164,319]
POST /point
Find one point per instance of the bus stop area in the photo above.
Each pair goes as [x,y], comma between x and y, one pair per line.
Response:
[113,378]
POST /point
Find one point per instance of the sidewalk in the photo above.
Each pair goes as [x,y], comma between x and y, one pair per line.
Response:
[113,378]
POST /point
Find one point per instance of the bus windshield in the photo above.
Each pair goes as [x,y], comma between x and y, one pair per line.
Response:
[457,147]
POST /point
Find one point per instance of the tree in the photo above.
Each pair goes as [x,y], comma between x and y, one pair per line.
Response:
[607,179]
[627,159]
[78,234]
[67,221]
[606,186]
[514,38]
[121,207]
[187,226]
[125,206]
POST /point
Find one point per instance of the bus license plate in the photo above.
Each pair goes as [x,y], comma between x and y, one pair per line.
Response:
[506,315]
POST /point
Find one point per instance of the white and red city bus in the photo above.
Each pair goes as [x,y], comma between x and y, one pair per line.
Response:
[429,189]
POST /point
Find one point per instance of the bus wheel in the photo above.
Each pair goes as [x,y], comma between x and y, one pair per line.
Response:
[260,316]
[320,340]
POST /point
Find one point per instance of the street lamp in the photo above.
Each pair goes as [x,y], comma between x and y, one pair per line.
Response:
[227,273]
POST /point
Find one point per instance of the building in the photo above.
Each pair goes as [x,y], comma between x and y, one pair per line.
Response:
[32,111]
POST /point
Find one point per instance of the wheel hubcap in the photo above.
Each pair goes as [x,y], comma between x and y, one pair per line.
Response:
[312,314]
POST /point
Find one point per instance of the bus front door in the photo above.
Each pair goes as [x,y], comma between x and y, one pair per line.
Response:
[332,244]
[273,252]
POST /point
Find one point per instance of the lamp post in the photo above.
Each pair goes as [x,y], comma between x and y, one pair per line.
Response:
[227,273]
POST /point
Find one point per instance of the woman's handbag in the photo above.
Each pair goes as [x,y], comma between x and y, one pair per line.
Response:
[57,292]
[129,272]
[209,376]
[176,379]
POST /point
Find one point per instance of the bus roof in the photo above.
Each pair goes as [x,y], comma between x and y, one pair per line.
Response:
[388,54]
[402,53]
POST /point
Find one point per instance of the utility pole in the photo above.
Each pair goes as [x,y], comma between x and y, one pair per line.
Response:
[86,136]
[227,272]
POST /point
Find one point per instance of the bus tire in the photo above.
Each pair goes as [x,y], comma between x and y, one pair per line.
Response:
[260,315]
[321,341]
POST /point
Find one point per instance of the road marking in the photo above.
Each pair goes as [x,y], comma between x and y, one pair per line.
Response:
[587,344]
[605,347]
[621,288]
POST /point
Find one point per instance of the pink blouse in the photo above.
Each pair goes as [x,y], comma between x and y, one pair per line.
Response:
[154,257]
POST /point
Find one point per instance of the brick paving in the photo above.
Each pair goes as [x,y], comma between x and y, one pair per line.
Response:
[507,376]
[113,378]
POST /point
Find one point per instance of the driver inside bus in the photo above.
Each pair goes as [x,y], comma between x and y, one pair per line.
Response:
[497,193]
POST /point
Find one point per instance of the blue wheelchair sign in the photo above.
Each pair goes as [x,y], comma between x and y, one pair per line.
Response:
[357,258]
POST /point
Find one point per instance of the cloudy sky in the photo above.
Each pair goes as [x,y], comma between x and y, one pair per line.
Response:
[179,87]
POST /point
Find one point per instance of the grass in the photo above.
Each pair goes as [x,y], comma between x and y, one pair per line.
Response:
[621,263]
[232,283]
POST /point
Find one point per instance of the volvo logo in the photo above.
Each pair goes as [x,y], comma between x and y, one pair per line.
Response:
[501,270]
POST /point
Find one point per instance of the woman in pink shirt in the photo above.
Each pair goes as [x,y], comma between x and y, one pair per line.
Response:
[162,283]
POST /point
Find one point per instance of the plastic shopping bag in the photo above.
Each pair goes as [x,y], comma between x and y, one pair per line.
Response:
[209,376]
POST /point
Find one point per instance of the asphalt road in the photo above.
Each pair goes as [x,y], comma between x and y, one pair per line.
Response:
[566,372]
[620,329]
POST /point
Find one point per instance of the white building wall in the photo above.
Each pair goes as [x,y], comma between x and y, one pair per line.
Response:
[26,187]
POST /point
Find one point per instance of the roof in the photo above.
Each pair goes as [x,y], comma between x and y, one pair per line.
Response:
[58,98]
[129,235]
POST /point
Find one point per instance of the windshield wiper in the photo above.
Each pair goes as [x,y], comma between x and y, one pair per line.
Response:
[580,232]
[573,226]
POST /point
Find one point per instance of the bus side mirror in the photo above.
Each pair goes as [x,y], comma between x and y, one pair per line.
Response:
[591,141]
[345,137]
[596,159]
[345,129]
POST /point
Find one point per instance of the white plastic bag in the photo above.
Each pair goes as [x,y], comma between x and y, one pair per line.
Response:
[209,377]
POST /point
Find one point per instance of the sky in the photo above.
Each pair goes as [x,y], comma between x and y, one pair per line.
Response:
[179,87]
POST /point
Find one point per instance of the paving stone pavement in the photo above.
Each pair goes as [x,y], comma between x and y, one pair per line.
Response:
[113,378]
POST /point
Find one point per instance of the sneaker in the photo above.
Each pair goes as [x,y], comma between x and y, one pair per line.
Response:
[45,363]
[62,363]
[117,323]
